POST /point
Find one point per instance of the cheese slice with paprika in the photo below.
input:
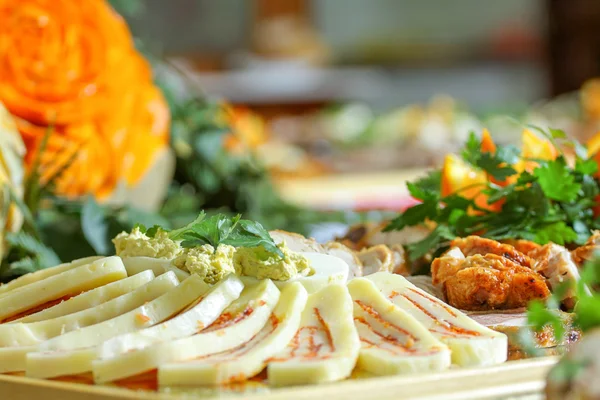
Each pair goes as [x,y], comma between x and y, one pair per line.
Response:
[392,341]
[203,312]
[243,319]
[471,343]
[249,358]
[326,345]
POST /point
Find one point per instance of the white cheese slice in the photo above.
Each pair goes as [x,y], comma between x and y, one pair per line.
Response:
[327,270]
[326,345]
[392,341]
[70,282]
[12,359]
[201,314]
[244,318]
[159,266]
[149,314]
[248,359]
[27,334]
[91,298]
[46,365]
[471,343]
[44,273]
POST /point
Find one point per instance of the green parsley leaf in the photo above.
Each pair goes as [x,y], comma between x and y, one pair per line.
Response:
[495,166]
[94,225]
[557,133]
[557,232]
[413,216]
[472,150]
[221,229]
[539,316]
[434,240]
[557,181]
[586,313]
[586,167]
[253,234]
[177,234]
[420,193]
[509,154]
[431,182]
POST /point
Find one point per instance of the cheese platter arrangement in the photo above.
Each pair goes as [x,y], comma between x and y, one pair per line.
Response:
[448,300]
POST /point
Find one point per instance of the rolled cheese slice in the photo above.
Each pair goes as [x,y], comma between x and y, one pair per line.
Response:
[44,273]
[392,341]
[249,358]
[32,333]
[471,343]
[159,266]
[326,269]
[149,314]
[201,314]
[326,345]
[91,298]
[243,319]
[70,282]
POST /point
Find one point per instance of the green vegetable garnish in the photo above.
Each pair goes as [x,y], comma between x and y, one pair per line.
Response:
[220,229]
[553,203]
[586,316]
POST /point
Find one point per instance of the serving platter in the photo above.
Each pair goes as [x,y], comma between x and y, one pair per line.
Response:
[513,379]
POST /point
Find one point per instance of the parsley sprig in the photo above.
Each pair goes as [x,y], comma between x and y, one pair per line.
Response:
[552,203]
[220,229]
[586,316]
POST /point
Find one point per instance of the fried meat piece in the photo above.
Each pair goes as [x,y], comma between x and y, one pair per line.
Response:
[472,245]
[483,282]
[586,252]
[376,259]
[554,262]
[365,235]
[524,246]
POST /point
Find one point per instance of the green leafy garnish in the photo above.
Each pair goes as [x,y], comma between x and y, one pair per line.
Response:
[586,317]
[221,229]
[553,203]
[27,254]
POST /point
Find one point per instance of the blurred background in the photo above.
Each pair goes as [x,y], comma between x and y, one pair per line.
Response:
[295,113]
[366,92]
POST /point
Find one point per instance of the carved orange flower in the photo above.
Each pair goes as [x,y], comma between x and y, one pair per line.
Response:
[72,65]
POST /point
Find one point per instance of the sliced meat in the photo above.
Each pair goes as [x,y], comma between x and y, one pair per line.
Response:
[365,235]
[300,244]
[472,245]
[376,259]
[297,242]
[586,252]
[340,251]
[554,262]
[486,282]
[410,234]
[400,267]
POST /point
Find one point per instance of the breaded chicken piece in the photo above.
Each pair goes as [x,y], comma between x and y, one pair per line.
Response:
[483,282]
[586,252]
[524,246]
[472,245]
